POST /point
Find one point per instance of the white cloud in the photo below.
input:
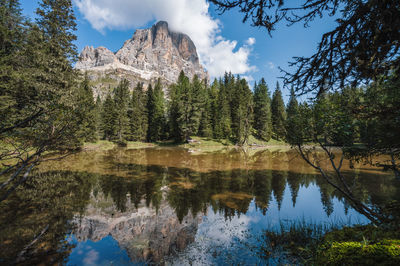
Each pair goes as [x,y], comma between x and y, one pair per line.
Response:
[251,41]
[91,258]
[188,16]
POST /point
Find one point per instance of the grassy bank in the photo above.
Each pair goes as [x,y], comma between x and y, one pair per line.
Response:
[197,143]
[320,244]
[104,145]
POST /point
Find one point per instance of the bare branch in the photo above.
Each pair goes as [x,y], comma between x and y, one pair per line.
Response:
[26,248]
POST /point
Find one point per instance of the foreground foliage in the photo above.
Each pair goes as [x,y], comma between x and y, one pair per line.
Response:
[42,107]
[315,244]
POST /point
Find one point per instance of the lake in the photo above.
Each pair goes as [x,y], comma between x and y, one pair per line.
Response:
[173,206]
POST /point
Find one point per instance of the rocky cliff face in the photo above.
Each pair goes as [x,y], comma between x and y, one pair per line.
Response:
[152,53]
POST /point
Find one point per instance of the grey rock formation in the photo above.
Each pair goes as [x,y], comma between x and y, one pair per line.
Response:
[150,54]
[91,57]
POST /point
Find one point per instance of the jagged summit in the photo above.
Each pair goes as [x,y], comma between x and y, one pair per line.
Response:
[151,53]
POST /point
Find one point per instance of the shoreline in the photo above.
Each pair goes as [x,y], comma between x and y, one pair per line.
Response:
[201,144]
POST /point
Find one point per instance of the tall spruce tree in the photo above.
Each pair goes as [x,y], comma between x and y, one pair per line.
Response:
[156,117]
[206,125]
[88,111]
[41,90]
[121,100]
[181,108]
[262,111]
[196,91]
[222,128]
[242,111]
[278,114]
[175,107]
[12,65]
[213,99]
[138,114]
[56,21]
[109,118]
[98,108]
[12,28]
[292,112]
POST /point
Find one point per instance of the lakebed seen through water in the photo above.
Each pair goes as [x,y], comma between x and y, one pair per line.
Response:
[173,205]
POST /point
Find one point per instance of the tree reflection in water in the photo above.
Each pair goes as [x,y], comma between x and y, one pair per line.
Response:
[38,217]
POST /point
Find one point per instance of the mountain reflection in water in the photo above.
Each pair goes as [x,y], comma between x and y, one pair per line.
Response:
[168,205]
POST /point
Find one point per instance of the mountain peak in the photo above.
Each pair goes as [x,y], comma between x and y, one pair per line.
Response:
[156,52]
[161,24]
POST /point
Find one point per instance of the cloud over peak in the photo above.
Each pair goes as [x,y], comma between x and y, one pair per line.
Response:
[187,16]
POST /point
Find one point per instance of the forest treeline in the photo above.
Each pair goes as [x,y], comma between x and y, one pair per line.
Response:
[226,109]
[229,109]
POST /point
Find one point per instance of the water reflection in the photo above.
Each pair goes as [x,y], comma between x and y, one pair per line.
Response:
[155,203]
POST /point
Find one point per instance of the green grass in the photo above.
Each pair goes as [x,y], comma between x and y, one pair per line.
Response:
[104,145]
[332,244]
[206,145]
[199,143]
[100,145]
[138,145]
[272,142]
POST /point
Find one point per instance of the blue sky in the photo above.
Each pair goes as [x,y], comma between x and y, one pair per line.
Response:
[223,41]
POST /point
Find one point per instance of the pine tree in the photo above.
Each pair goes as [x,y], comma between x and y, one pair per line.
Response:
[206,126]
[12,28]
[121,99]
[98,108]
[242,111]
[38,85]
[138,114]
[181,109]
[109,118]
[57,20]
[222,128]
[262,111]
[87,111]
[54,60]
[292,112]
[196,91]
[278,114]
[155,107]
[213,99]
[12,65]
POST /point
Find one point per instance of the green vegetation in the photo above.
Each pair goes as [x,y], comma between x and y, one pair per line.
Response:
[361,245]
[156,113]
[198,143]
[89,112]
[137,115]
[227,110]
[278,114]
[326,244]
[42,106]
[262,111]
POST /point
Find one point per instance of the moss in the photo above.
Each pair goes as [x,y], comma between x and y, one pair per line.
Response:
[315,244]
[360,245]
[386,252]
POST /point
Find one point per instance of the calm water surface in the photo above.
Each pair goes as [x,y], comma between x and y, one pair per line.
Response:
[171,206]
